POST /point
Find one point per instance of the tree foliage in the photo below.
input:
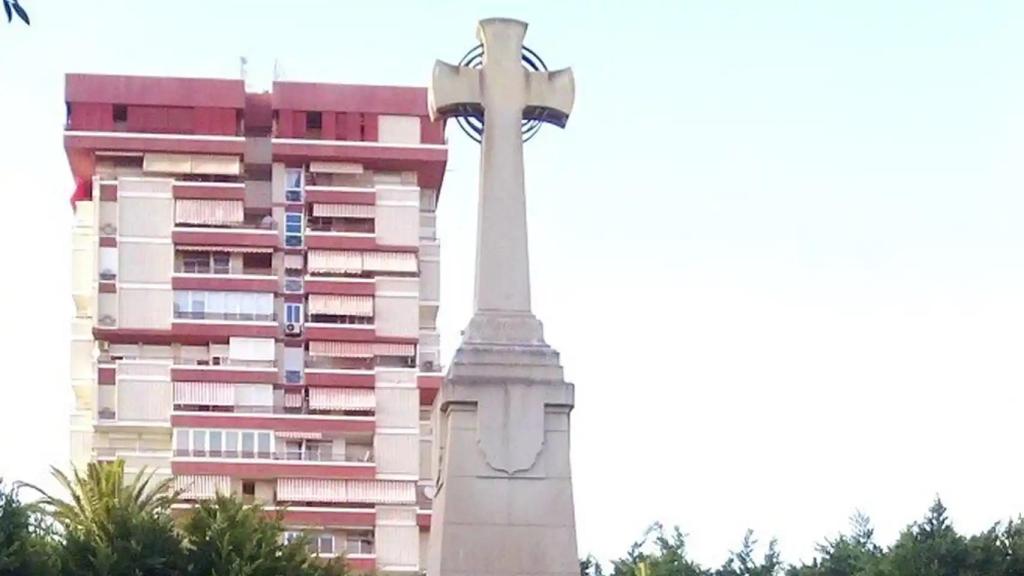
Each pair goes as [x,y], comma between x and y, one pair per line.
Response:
[26,543]
[12,8]
[227,538]
[929,547]
[110,526]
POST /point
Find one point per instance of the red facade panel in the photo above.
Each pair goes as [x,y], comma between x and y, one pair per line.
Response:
[344,288]
[370,127]
[90,116]
[327,131]
[285,122]
[340,380]
[207,192]
[431,132]
[353,126]
[325,332]
[220,283]
[364,518]
[339,197]
[154,91]
[224,375]
[279,424]
[228,238]
[195,330]
[261,470]
[106,375]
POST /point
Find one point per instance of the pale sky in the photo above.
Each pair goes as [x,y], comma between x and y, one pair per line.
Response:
[778,245]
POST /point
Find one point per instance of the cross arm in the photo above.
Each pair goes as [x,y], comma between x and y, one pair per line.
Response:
[454,91]
[549,96]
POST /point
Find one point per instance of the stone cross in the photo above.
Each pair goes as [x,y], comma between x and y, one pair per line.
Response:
[503,93]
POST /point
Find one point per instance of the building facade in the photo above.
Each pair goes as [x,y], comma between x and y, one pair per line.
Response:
[256,285]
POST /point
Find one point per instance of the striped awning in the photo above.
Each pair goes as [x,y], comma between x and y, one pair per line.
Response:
[289,435]
[210,212]
[381,349]
[321,167]
[346,491]
[293,399]
[359,349]
[381,492]
[338,261]
[344,210]
[238,249]
[311,490]
[338,305]
[204,393]
[341,349]
[342,399]
[198,487]
[390,261]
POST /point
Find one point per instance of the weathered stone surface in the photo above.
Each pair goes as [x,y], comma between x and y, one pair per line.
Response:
[504,503]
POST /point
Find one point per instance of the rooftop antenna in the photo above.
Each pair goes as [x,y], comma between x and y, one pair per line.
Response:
[277,71]
[242,63]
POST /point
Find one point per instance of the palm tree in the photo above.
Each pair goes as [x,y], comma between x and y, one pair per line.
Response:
[111,526]
[227,538]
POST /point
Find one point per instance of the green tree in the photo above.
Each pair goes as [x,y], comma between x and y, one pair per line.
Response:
[855,554]
[113,527]
[743,563]
[224,537]
[657,554]
[929,548]
[26,541]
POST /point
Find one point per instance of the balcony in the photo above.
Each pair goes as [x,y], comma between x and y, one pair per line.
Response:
[265,454]
[224,371]
[228,268]
[277,422]
[249,230]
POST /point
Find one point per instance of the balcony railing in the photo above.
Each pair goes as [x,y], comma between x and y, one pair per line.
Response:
[277,455]
[218,271]
[225,316]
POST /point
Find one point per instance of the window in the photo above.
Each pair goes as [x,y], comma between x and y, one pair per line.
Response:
[231,444]
[322,544]
[314,120]
[216,443]
[359,543]
[263,444]
[293,313]
[120,113]
[196,263]
[221,263]
[199,304]
[248,491]
[257,263]
[248,444]
[293,230]
[293,178]
[291,536]
[318,451]
[181,438]
[199,442]
[293,450]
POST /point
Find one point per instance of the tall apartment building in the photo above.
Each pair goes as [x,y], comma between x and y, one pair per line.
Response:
[256,288]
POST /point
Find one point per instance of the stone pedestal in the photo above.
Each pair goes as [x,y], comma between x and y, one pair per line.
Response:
[504,502]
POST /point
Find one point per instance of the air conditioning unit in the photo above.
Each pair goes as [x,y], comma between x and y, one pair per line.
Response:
[107,274]
[293,285]
[106,320]
[108,229]
[293,329]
